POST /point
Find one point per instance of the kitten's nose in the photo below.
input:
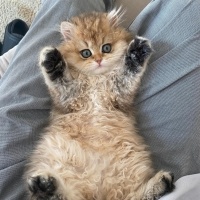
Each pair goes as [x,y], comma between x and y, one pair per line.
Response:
[98,61]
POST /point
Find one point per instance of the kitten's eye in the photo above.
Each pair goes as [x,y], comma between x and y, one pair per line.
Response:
[106,48]
[86,53]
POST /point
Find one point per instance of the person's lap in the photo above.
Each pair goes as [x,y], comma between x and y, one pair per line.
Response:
[168,106]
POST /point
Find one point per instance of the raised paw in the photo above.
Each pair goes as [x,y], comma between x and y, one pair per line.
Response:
[51,59]
[43,188]
[138,53]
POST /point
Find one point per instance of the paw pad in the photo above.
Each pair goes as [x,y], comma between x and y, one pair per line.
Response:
[51,59]
[41,187]
[139,51]
[169,183]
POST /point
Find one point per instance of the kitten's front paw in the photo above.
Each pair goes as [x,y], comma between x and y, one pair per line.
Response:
[138,53]
[43,188]
[52,60]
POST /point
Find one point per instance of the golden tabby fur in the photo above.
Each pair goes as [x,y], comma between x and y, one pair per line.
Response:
[91,148]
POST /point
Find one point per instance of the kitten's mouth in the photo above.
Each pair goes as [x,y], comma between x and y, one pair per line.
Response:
[99,66]
[100,69]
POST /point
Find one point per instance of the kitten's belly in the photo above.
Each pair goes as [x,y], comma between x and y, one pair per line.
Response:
[100,136]
[101,129]
[91,149]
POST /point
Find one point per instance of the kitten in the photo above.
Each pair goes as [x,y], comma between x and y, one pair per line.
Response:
[91,148]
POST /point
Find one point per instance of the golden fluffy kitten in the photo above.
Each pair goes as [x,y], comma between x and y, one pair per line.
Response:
[91,149]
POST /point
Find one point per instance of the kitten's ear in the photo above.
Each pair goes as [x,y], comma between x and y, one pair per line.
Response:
[115,16]
[67,30]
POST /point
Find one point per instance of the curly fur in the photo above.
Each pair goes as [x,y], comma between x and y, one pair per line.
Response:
[91,148]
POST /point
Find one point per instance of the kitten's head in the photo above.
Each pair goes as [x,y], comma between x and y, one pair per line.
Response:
[94,43]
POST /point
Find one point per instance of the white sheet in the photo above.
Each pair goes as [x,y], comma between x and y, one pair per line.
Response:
[187,188]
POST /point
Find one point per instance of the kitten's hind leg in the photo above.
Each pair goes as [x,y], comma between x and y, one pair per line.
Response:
[44,188]
[159,185]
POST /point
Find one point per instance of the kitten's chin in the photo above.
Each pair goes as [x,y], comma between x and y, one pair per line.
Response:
[101,70]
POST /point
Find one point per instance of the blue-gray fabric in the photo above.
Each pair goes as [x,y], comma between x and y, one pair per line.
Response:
[168,102]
